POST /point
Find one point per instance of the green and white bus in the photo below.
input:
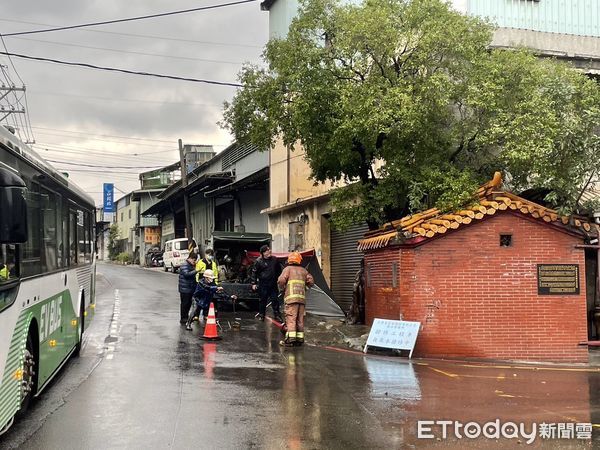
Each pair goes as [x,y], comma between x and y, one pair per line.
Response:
[47,273]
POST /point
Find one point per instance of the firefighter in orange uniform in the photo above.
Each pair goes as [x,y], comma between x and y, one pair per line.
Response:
[294,280]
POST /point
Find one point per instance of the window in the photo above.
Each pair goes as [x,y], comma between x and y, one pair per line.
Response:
[8,263]
[505,240]
[296,236]
[180,245]
[130,213]
[32,249]
[87,238]
[72,237]
[64,245]
[60,260]
[121,217]
[81,241]
[49,237]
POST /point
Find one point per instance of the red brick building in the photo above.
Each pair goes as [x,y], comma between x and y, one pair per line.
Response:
[485,282]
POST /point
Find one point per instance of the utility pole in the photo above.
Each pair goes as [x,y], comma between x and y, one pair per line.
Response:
[186,200]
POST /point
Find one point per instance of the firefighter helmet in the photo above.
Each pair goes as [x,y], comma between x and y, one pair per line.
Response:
[294,258]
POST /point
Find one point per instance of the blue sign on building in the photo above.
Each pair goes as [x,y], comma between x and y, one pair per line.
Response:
[109,206]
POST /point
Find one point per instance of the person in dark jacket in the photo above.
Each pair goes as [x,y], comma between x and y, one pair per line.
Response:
[206,292]
[264,276]
[187,285]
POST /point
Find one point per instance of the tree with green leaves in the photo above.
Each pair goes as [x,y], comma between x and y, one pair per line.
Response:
[405,104]
[113,244]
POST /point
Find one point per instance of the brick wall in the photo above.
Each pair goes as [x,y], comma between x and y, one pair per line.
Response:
[477,299]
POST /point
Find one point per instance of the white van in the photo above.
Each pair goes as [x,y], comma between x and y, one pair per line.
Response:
[176,252]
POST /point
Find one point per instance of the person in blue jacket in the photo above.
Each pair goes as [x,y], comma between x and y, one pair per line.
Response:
[187,285]
[206,291]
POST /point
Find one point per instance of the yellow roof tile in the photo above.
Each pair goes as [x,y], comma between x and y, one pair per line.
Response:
[490,199]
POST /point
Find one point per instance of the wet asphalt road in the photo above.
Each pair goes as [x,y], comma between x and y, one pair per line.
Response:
[143,381]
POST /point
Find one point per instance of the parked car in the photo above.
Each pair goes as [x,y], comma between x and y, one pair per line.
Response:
[175,253]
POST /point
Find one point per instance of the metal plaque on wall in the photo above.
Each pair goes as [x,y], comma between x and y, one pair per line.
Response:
[558,279]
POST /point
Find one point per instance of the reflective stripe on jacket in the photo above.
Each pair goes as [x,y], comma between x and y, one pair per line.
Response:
[295,279]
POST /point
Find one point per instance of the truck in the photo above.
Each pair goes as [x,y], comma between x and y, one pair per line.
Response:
[236,253]
[231,253]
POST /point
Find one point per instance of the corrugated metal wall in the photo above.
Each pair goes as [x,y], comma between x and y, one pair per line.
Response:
[578,17]
[345,262]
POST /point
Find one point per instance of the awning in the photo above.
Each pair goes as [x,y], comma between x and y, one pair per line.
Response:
[200,183]
[241,237]
[305,254]
[254,179]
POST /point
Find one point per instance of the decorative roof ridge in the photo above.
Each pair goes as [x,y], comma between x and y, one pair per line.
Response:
[489,199]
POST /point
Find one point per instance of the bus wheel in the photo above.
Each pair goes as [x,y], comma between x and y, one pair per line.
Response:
[29,380]
[80,327]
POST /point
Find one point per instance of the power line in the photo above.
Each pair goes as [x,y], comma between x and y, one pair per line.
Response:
[103,167]
[130,72]
[130,19]
[106,135]
[120,99]
[111,174]
[148,36]
[101,140]
[86,152]
[217,61]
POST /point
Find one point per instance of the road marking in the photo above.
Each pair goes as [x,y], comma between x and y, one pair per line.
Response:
[448,374]
[113,335]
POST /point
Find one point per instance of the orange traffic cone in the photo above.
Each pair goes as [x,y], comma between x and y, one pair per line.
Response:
[210,330]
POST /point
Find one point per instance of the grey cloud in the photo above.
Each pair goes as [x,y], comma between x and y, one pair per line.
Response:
[191,111]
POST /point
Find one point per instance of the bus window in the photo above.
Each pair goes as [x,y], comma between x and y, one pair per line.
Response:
[49,236]
[59,232]
[73,238]
[80,237]
[32,248]
[87,239]
[64,243]
[8,263]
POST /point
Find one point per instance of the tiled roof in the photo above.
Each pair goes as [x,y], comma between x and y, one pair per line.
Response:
[489,200]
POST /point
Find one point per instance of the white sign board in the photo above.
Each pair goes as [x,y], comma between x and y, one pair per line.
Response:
[398,334]
[168,226]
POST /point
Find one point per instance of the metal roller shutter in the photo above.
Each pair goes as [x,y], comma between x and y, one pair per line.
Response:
[345,262]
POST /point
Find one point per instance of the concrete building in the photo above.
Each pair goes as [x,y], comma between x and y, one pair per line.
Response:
[152,183]
[299,215]
[507,279]
[126,218]
[563,29]
[226,193]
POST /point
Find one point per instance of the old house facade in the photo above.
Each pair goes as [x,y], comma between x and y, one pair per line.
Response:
[505,279]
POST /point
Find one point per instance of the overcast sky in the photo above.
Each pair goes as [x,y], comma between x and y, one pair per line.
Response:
[111,119]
